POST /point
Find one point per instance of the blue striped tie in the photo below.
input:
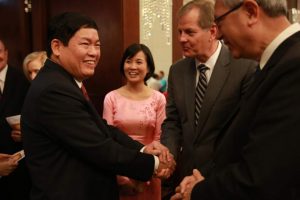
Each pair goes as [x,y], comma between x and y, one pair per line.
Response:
[200,91]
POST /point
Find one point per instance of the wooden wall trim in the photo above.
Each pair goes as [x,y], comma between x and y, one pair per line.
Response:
[131,22]
[177,53]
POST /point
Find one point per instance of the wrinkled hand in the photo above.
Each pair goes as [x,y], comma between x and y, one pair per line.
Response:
[8,164]
[166,167]
[16,133]
[184,190]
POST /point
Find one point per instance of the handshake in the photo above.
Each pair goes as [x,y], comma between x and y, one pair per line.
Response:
[166,160]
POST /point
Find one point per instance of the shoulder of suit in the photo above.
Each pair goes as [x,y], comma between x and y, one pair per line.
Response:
[183,63]
[16,75]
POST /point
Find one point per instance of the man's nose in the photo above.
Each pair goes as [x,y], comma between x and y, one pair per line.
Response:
[182,37]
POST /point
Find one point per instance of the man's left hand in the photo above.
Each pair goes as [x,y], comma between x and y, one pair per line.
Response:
[184,190]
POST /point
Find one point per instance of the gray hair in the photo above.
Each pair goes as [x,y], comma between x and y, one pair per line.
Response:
[206,11]
[273,8]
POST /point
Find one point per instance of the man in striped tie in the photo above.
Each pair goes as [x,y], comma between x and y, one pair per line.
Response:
[203,89]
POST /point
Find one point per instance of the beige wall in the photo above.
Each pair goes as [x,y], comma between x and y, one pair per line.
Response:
[159,44]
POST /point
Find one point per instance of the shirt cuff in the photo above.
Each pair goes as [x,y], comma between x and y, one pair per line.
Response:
[156,160]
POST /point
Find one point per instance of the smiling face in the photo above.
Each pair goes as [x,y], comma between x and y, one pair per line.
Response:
[81,56]
[135,68]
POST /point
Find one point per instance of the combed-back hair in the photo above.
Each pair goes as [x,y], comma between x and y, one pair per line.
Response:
[206,11]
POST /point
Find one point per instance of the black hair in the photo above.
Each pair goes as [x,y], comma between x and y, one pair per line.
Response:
[65,25]
[131,51]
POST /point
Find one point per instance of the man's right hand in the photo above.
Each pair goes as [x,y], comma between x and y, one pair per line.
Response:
[166,167]
[8,164]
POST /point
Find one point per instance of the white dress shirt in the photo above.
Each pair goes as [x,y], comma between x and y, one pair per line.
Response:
[3,73]
[210,63]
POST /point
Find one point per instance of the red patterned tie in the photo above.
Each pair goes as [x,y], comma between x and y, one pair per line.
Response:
[84,92]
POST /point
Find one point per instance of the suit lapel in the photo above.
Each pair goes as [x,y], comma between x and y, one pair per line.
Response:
[216,83]
[189,93]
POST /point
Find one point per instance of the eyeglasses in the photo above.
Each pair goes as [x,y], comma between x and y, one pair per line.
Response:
[220,18]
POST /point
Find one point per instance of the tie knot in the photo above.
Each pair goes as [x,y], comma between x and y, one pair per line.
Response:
[202,68]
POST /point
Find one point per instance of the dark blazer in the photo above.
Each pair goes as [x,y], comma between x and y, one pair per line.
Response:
[14,93]
[258,151]
[71,152]
[229,81]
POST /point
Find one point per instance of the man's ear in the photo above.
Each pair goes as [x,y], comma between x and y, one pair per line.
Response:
[252,11]
[213,32]
[56,46]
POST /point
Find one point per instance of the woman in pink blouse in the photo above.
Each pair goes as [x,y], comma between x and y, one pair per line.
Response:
[138,111]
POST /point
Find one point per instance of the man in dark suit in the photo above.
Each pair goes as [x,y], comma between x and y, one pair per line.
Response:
[13,88]
[71,152]
[228,79]
[257,155]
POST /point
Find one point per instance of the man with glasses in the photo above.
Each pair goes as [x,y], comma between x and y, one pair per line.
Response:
[257,155]
[192,124]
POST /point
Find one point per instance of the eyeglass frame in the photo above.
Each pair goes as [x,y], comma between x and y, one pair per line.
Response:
[221,17]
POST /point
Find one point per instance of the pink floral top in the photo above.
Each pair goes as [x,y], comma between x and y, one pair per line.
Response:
[140,119]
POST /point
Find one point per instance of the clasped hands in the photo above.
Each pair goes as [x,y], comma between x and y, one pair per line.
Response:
[166,160]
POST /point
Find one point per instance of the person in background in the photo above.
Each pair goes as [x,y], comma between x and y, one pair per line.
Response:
[153,82]
[257,154]
[138,111]
[163,81]
[32,64]
[71,152]
[15,185]
[203,90]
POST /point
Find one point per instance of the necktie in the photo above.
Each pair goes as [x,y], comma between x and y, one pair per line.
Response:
[200,91]
[84,92]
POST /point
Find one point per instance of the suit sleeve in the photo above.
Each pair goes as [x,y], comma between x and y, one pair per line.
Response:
[171,127]
[70,123]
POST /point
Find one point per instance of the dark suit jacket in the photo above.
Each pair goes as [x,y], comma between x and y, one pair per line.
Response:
[258,151]
[71,152]
[14,93]
[229,81]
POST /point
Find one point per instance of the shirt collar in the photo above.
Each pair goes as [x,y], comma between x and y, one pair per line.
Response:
[276,42]
[78,83]
[210,63]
